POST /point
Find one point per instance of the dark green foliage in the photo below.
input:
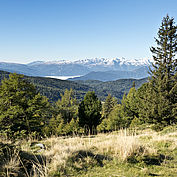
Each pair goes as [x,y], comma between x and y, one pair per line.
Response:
[90,112]
[53,88]
[115,120]
[65,120]
[160,100]
[122,115]
[144,103]
[22,109]
[56,126]
[130,106]
[108,105]
[156,101]
[115,88]
[67,106]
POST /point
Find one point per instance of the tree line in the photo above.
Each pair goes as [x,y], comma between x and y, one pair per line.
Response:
[24,112]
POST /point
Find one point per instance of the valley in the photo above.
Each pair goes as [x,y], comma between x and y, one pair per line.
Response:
[52,88]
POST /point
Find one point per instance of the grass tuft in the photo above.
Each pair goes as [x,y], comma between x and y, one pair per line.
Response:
[123,153]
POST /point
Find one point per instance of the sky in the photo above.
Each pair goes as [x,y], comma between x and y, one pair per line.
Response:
[47,30]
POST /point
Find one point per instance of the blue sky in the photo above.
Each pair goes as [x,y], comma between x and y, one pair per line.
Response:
[78,29]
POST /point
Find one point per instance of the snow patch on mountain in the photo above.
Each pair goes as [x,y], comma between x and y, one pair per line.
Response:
[99,61]
[78,67]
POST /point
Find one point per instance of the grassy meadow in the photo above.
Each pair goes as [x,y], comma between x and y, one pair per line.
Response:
[123,153]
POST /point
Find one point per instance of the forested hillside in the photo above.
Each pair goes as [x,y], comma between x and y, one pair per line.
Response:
[115,88]
[52,88]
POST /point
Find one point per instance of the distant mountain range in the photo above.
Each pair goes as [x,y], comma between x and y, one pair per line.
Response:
[98,68]
[139,73]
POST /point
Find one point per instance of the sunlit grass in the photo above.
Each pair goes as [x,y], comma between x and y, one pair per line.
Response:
[123,153]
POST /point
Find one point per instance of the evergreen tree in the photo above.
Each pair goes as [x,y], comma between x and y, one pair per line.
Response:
[66,119]
[121,116]
[130,106]
[90,112]
[115,120]
[22,109]
[162,84]
[108,106]
[145,103]
[53,126]
[67,106]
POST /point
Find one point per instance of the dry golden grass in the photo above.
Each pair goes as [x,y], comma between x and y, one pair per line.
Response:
[11,164]
[120,145]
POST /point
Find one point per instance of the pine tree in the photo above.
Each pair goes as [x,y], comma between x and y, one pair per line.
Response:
[116,119]
[108,106]
[130,106]
[66,119]
[162,84]
[145,103]
[67,106]
[90,112]
[22,109]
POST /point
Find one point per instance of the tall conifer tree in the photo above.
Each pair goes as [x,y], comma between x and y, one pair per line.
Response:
[109,105]
[22,109]
[163,82]
[90,112]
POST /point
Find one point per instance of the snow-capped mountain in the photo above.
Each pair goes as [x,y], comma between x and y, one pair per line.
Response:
[98,61]
[111,62]
[73,68]
[99,64]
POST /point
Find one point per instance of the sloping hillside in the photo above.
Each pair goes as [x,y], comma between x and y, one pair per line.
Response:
[114,75]
[115,88]
[53,87]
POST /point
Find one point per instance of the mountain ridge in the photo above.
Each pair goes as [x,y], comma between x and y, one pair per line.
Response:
[113,75]
[73,68]
[99,61]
